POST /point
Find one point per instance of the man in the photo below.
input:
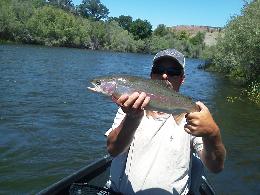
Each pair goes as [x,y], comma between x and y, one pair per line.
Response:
[152,150]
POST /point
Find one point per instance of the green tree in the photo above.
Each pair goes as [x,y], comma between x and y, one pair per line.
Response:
[183,35]
[35,21]
[8,21]
[97,35]
[236,53]
[55,27]
[158,43]
[198,39]
[141,29]
[125,22]
[93,9]
[237,50]
[63,4]
[118,39]
[161,30]
[24,9]
[13,17]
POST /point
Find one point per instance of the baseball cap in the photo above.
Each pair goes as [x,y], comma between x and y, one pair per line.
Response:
[170,53]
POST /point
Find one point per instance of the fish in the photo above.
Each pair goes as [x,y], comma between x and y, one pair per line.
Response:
[162,98]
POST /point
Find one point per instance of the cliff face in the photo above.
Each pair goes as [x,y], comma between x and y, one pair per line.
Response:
[195,29]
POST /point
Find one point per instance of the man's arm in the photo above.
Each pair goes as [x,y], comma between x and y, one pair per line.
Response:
[214,153]
[120,138]
[201,124]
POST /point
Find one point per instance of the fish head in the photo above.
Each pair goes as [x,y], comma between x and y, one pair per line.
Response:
[106,86]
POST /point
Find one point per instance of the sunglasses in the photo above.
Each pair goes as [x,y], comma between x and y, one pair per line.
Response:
[169,71]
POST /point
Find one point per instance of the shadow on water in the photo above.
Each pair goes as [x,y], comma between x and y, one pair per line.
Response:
[240,125]
[50,125]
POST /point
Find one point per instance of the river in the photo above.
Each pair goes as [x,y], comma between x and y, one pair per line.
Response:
[51,125]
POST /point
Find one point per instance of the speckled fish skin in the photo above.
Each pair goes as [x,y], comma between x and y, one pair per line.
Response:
[162,98]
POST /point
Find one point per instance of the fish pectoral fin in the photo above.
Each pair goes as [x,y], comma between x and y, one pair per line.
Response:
[178,118]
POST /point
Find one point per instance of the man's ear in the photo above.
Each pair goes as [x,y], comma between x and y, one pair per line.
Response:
[182,78]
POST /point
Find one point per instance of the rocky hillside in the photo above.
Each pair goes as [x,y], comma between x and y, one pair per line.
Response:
[211,32]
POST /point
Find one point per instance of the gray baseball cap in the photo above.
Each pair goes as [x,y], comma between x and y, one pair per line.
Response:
[170,53]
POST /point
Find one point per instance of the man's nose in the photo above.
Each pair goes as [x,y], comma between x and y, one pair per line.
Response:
[164,76]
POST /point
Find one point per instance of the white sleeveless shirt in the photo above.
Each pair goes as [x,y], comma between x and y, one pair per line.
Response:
[158,160]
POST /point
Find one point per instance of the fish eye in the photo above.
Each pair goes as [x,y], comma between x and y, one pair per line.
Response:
[98,82]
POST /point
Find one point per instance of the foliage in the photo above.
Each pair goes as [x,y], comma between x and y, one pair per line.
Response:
[237,51]
[8,22]
[124,21]
[54,23]
[198,39]
[93,9]
[97,35]
[141,29]
[253,92]
[161,30]
[158,43]
[182,35]
[54,27]
[207,55]
[63,4]
[13,16]
[118,39]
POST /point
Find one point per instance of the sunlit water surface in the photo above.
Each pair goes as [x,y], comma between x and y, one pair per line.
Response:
[51,125]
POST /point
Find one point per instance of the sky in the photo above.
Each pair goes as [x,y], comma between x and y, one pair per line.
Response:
[214,13]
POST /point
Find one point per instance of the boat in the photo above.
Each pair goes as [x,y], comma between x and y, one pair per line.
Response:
[92,178]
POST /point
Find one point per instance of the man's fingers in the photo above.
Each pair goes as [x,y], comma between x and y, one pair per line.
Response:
[139,101]
[122,99]
[201,106]
[131,100]
[187,130]
[190,128]
[145,102]
[134,102]
[192,115]
[193,122]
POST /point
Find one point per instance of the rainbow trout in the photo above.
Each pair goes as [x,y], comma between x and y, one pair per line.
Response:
[162,98]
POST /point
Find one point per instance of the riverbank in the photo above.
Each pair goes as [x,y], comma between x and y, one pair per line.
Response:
[236,53]
[2,41]
[248,90]
[51,25]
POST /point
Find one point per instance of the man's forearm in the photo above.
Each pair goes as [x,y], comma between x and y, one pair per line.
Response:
[214,153]
[121,137]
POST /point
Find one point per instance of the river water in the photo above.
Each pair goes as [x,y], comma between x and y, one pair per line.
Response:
[51,125]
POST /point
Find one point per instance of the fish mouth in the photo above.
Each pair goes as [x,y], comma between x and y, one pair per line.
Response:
[91,88]
[95,88]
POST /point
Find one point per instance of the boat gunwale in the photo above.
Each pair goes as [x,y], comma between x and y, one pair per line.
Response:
[86,173]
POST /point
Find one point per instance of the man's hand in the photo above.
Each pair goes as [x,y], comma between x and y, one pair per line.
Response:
[201,124]
[120,138]
[133,104]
